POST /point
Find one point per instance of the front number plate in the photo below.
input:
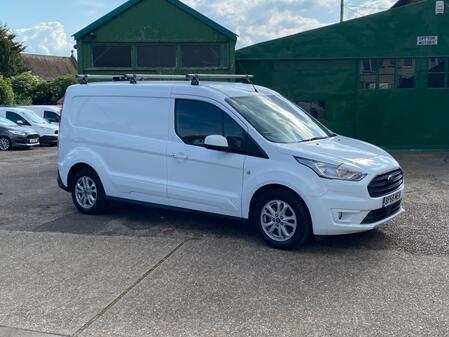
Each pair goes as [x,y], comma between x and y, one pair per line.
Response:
[391,199]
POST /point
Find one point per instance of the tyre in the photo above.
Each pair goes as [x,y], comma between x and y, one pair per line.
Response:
[88,193]
[283,219]
[5,144]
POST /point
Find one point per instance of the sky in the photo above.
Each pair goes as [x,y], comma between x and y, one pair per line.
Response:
[46,26]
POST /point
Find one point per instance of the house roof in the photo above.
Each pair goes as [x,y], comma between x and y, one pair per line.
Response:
[119,10]
[50,67]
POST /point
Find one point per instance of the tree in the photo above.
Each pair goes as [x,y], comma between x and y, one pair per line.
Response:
[6,93]
[11,62]
[23,86]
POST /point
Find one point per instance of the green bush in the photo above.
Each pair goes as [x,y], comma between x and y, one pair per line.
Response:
[6,93]
[59,86]
[49,93]
[41,94]
[23,86]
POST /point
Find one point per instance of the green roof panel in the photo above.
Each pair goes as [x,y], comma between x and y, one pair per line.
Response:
[119,10]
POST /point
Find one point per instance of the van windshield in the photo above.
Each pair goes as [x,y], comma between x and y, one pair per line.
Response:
[32,117]
[279,120]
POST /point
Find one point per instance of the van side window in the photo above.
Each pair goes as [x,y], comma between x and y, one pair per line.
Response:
[13,117]
[51,116]
[196,120]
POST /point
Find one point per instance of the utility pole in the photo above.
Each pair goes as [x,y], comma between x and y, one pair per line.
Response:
[342,10]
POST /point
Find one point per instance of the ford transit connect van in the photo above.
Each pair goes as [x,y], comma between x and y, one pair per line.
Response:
[51,113]
[226,148]
[48,133]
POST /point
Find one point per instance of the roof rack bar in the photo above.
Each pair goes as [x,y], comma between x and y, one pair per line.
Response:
[133,78]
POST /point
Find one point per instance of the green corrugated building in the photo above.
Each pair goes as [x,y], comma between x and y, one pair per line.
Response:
[383,78]
[155,36]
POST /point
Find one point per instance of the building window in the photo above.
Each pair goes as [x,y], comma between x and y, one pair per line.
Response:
[111,56]
[386,73]
[201,56]
[406,73]
[317,109]
[368,73]
[156,56]
[437,72]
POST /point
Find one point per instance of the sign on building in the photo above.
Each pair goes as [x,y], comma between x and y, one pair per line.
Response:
[427,41]
[439,7]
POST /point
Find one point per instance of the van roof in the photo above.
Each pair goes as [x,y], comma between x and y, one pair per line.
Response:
[13,109]
[227,89]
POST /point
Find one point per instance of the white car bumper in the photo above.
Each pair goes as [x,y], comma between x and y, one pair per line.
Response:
[345,213]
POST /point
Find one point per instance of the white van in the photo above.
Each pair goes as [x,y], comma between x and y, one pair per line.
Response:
[51,113]
[225,148]
[48,133]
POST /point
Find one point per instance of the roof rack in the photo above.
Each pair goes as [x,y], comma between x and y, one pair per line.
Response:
[134,78]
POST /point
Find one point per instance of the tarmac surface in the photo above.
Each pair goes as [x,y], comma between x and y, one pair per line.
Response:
[139,271]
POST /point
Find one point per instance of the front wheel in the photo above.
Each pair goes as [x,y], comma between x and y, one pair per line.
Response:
[283,219]
[5,144]
[87,192]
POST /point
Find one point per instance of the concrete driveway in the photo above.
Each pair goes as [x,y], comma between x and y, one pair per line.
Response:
[138,271]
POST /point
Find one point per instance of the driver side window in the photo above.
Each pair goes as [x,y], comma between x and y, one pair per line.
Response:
[195,120]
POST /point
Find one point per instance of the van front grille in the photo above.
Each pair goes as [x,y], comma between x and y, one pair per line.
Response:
[382,213]
[386,183]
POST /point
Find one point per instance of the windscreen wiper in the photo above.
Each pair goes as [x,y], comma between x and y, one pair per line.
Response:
[312,139]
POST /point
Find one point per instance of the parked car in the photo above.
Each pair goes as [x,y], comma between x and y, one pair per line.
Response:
[48,133]
[51,113]
[14,136]
[225,148]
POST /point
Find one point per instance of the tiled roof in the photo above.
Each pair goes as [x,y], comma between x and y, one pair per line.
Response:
[50,67]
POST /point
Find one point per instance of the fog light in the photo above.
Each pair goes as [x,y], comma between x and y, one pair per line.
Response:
[346,216]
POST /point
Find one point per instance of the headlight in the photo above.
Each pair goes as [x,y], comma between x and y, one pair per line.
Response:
[331,171]
[18,133]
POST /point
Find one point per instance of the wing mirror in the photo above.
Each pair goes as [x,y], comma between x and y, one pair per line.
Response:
[216,142]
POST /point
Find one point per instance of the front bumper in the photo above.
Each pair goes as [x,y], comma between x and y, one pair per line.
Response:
[29,141]
[337,213]
[49,140]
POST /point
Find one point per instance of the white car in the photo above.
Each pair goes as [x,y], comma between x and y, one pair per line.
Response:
[225,148]
[48,133]
[51,113]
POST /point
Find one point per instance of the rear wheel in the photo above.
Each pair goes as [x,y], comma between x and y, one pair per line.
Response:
[88,193]
[5,144]
[283,219]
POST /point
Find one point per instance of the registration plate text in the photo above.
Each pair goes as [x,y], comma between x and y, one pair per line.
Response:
[391,199]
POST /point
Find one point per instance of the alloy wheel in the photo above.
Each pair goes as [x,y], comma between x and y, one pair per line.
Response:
[5,144]
[278,220]
[86,192]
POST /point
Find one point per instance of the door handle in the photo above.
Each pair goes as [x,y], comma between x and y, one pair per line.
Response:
[180,156]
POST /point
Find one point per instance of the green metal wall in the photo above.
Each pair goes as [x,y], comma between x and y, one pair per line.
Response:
[158,22]
[323,65]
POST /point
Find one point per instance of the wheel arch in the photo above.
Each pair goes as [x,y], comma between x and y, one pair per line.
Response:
[76,168]
[266,188]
